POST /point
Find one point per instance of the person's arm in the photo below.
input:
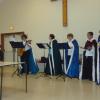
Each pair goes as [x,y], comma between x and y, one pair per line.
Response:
[85,47]
[55,43]
[82,47]
[28,44]
[99,38]
[99,41]
[95,43]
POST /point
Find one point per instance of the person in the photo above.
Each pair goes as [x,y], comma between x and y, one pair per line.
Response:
[1,54]
[27,56]
[71,61]
[53,65]
[98,62]
[89,62]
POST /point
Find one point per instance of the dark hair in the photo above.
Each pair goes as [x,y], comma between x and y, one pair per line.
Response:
[52,36]
[70,35]
[90,33]
[24,36]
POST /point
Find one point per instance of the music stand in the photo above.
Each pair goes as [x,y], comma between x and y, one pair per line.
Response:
[62,46]
[43,46]
[16,45]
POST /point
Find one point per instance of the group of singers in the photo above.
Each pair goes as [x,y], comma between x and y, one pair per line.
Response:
[88,69]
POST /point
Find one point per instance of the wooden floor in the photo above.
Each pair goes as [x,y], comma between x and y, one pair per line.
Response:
[47,89]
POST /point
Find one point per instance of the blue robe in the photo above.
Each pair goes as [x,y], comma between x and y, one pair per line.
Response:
[98,63]
[71,62]
[32,66]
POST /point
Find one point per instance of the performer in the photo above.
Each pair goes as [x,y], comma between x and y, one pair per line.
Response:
[27,56]
[98,62]
[71,61]
[1,54]
[53,66]
[88,69]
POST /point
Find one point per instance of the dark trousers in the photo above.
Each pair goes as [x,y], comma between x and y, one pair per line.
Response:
[87,68]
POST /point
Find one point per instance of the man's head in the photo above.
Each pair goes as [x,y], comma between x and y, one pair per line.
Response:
[24,37]
[70,36]
[90,35]
[51,36]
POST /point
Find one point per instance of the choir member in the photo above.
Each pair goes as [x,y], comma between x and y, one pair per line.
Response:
[88,69]
[71,61]
[98,62]
[27,56]
[53,66]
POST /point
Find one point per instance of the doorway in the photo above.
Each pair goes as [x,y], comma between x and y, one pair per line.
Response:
[9,53]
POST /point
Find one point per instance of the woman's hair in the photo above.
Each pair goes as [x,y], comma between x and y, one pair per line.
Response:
[70,35]
[90,33]
[52,36]
[24,36]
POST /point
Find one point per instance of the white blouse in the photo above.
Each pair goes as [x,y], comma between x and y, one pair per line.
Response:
[71,48]
[90,52]
[27,45]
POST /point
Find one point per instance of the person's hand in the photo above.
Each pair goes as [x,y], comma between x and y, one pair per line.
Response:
[81,47]
[89,48]
[29,41]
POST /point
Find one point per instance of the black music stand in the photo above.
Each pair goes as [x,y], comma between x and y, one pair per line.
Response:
[43,46]
[62,46]
[16,45]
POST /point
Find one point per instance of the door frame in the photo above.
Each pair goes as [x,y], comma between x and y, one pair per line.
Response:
[8,34]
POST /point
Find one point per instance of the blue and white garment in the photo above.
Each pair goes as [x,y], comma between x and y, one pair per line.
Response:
[28,56]
[98,62]
[71,60]
[53,65]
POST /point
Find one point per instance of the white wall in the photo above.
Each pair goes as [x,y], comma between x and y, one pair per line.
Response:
[39,18]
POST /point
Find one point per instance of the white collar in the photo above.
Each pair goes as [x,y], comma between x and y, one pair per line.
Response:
[91,39]
[71,40]
[52,40]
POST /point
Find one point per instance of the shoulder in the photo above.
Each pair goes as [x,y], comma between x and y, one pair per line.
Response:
[75,41]
[55,41]
[94,41]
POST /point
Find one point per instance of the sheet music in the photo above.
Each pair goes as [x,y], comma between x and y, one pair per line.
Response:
[13,39]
